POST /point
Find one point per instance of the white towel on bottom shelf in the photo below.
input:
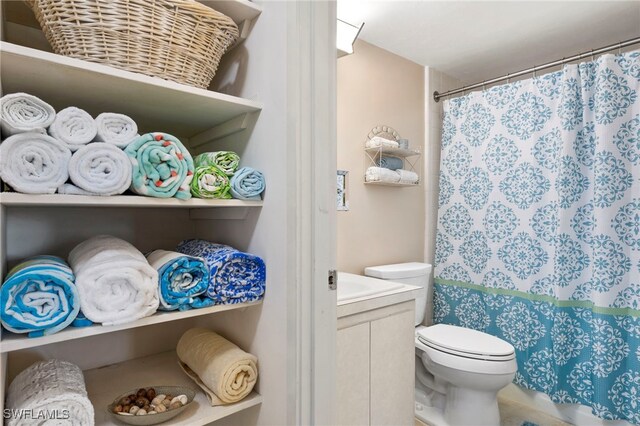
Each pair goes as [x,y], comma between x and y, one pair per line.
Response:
[100,168]
[34,163]
[116,129]
[20,112]
[407,176]
[380,174]
[74,127]
[377,142]
[49,387]
[115,282]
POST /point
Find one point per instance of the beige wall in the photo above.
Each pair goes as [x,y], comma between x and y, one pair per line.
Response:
[384,224]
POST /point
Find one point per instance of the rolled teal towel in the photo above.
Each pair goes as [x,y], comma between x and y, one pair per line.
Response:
[247,184]
[391,163]
[161,166]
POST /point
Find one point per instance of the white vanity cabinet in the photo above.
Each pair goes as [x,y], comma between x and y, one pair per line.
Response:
[375,361]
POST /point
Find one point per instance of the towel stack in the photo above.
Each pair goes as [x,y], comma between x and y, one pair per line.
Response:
[389,169]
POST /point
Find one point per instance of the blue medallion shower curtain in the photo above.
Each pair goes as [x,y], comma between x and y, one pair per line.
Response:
[538,236]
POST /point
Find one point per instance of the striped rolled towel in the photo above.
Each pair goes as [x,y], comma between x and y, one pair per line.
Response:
[210,182]
[117,129]
[21,112]
[34,163]
[162,166]
[99,169]
[74,127]
[227,161]
[247,184]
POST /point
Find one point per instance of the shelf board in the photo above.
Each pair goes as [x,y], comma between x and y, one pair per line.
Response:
[396,152]
[381,183]
[238,10]
[155,104]
[106,383]
[63,200]
[15,342]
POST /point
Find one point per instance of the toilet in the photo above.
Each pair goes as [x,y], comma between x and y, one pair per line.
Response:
[459,371]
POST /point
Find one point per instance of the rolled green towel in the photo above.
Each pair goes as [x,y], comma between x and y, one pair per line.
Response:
[210,182]
[227,161]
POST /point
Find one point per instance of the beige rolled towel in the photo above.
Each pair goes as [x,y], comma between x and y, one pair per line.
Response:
[225,372]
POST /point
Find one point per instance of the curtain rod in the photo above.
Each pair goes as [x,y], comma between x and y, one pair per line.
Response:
[437,96]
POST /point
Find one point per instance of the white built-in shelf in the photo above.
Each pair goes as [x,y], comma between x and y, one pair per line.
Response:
[107,383]
[155,104]
[63,200]
[14,342]
[380,183]
[396,152]
[238,10]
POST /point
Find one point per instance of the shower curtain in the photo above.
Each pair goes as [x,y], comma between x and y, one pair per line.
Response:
[538,236]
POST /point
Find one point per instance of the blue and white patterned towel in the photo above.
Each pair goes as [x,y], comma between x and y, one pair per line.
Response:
[234,276]
[39,297]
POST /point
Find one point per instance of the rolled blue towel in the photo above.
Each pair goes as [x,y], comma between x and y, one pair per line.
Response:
[234,276]
[247,184]
[39,297]
[182,280]
[391,163]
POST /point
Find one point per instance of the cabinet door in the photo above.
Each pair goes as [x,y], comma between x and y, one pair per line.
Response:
[392,370]
[353,375]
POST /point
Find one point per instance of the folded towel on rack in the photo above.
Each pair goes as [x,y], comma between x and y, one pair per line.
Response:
[162,166]
[34,163]
[20,112]
[227,161]
[101,169]
[39,297]
[225,372]
[74,127]
[378,142]
[115,282]
[48,387]
[380,174]
[247,184]
[407,176]
[182,280]
[234,276]
[391,163]
[210,182]
[117,129]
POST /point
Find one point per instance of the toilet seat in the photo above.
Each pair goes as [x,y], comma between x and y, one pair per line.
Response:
[465,342]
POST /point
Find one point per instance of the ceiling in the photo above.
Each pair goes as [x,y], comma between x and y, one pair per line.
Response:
[479,40]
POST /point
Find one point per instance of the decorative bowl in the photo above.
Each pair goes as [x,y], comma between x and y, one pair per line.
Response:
[153,419]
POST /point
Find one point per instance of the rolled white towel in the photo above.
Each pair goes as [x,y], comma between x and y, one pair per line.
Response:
[380,174]
[71,189]
[21,112]
[115,282]
[74,126]
[225,372]
[116,129]
[100,168]
[34,163]
[377,142]
[407,176]
[48,387]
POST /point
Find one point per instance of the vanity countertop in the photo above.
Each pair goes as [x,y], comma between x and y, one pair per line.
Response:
[380,300]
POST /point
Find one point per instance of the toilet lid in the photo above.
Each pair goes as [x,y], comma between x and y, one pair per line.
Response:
[465,342]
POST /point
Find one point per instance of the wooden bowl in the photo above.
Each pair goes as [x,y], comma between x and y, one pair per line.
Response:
[153,419]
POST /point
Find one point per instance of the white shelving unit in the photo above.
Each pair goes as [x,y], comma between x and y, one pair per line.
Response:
[197,117]
[410,158]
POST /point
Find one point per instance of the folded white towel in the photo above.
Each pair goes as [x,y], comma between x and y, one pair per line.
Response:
[225,372]
[115,282]
[34,163]
[380,174]
[48,387]
[71,189]
[377,142]
[73,126]
[116,129]
[100,168]
[20,112]
[407,176]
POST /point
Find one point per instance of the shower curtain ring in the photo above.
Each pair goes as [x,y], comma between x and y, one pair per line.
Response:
[620,48]
[534,71]
[508,78]
[592,56]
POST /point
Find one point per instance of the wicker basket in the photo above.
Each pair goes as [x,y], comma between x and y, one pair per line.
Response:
[178,40]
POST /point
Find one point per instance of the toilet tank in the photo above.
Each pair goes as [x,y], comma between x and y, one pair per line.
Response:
[413,273]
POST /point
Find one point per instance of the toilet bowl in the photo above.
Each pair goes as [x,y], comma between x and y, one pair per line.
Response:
[459,371]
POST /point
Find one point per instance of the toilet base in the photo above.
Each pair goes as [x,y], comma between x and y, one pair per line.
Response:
[463,407]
